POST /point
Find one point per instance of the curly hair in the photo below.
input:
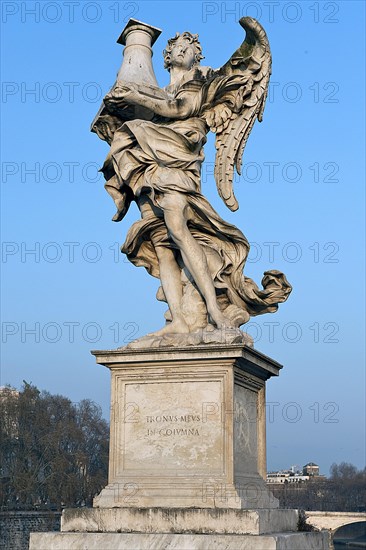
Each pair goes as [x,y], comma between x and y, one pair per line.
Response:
[191,39]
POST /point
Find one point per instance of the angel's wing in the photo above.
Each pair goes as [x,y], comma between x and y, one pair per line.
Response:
[247,72]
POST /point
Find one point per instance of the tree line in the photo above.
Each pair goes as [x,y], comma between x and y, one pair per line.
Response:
[53,453]
[343,491]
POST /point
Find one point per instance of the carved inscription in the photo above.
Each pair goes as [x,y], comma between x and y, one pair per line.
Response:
[174,431]
[171,427]
[173,419]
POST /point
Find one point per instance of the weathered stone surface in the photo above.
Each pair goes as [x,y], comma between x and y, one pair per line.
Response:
[132,541]
[197,338]
[166,520]
[186,428]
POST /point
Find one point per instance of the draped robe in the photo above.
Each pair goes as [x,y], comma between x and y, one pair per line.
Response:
[164,156]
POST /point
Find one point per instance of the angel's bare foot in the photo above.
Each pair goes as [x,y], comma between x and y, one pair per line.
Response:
[221,321]
[177,326]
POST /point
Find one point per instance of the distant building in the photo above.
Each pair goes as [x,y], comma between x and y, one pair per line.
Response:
[5,391]
[294,474]
[8,394]
[286,476]
[310,469]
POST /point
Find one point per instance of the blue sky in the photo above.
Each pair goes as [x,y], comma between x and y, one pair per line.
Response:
[301,202]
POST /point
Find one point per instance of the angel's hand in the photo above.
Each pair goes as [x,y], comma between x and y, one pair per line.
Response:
[123,92]
[124,89]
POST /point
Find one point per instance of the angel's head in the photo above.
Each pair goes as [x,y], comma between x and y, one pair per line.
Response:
[184,51]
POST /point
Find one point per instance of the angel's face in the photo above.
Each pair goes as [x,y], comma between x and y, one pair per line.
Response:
[183,54]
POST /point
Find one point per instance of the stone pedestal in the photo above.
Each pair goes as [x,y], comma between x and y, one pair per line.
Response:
[187,428]
[187,457]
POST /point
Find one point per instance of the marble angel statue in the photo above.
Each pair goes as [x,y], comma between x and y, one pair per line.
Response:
[180,239]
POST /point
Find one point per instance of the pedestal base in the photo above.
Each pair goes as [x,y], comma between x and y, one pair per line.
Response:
[183,529]
[166,520]
[187,458]
[143,541]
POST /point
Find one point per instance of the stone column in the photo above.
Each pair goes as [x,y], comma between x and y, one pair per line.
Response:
[138,37]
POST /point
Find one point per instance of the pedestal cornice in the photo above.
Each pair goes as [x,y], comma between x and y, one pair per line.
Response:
[243,357]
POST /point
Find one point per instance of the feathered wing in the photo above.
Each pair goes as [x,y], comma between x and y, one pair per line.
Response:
[246,79]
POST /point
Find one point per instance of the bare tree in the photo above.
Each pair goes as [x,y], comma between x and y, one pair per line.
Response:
[54,453]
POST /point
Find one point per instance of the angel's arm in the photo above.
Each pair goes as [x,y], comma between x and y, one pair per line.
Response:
[175,108]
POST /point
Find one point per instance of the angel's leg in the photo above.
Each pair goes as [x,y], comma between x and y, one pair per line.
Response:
[176,217]
[170,277]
